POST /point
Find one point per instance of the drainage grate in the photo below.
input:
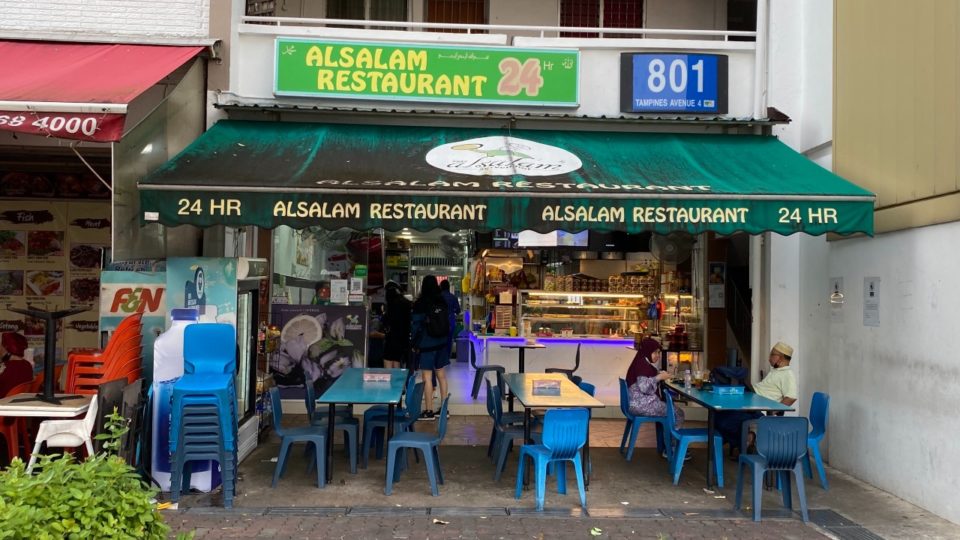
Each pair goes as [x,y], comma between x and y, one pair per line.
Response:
[306,511]
[386,511]
[467,511]
[853,533]
[548,512]
[703,513]
[829,518]
[843,527]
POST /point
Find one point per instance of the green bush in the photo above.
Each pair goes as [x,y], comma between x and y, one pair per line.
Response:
[101,497]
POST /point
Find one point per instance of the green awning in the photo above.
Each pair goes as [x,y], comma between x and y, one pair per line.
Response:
[365,176]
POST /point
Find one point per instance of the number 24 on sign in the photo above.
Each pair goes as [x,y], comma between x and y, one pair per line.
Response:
[517,76]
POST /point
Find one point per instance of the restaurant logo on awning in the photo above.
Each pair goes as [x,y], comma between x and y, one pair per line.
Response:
[502,156]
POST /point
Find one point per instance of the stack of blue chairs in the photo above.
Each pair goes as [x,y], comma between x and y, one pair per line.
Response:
[203,423]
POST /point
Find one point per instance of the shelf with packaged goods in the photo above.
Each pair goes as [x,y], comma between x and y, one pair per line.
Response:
[582,293]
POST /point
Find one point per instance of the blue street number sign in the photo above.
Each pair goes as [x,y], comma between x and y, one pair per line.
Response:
[673,83]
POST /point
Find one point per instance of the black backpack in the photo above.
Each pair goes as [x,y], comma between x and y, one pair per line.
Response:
[438,320]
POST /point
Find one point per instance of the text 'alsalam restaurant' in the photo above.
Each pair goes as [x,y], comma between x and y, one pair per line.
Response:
[368,177]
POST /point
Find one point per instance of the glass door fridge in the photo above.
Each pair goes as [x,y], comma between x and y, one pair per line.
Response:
[248,301]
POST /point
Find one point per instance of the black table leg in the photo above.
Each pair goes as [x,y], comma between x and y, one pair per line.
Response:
[710,461]
[386,443]
[331,420]
[527,439]
[510,394]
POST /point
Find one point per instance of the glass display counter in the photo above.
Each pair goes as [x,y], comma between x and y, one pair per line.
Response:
[580,314]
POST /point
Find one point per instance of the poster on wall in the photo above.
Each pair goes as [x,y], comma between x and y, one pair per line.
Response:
[123,294]
[716,285]
[208,284]
[50,254]
[316,344]
[871,301]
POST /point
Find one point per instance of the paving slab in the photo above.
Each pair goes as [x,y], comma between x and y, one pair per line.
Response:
[625,496]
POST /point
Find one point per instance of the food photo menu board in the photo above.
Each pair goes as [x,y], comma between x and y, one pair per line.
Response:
[50,258]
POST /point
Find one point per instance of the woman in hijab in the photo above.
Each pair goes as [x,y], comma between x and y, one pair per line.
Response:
[643,379]
[14,370]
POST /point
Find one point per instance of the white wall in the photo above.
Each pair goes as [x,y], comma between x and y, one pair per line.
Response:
[140,18]
[796,299]
[894,388]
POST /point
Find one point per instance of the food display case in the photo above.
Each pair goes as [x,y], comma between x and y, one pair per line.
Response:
[580,314]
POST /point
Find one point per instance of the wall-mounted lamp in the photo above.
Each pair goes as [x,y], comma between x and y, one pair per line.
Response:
[836,297]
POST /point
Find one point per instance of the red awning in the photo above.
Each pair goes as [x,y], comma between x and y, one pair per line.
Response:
[78,90]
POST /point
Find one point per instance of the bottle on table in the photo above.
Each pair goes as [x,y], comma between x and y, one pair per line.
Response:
[687,379]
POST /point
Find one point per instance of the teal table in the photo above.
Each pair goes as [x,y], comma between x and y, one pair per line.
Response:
[748,401]
[350,388]
[521,386]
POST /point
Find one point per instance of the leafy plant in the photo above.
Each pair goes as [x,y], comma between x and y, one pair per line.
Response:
[101,497]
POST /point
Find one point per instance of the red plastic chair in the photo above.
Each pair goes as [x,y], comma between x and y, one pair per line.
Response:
[14,428]
[37,384]
[129,367]
[81,370]
[128,328]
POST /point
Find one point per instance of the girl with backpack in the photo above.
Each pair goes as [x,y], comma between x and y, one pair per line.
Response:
[430,326]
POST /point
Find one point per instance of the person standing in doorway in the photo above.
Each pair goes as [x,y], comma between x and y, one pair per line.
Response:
[396,344]
[377,336]
[453,311]
[430,328]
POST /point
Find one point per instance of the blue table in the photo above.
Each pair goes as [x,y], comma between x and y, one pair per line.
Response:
[748,401]
[521,386]
[351,389]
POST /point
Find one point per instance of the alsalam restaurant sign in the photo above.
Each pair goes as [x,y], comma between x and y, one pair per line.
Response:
[453,74]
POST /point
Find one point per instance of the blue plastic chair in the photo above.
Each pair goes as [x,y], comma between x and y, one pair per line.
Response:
[350,426]
[632,427]
[376,437]
[568,371]
[781,445]
[401,422]
[505,419]
[592,390]
[819,410]
[504,433]
[288,436]
[564,434]
[683,438]
[209,356]
[480,372]
[427,443]
[209,348]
